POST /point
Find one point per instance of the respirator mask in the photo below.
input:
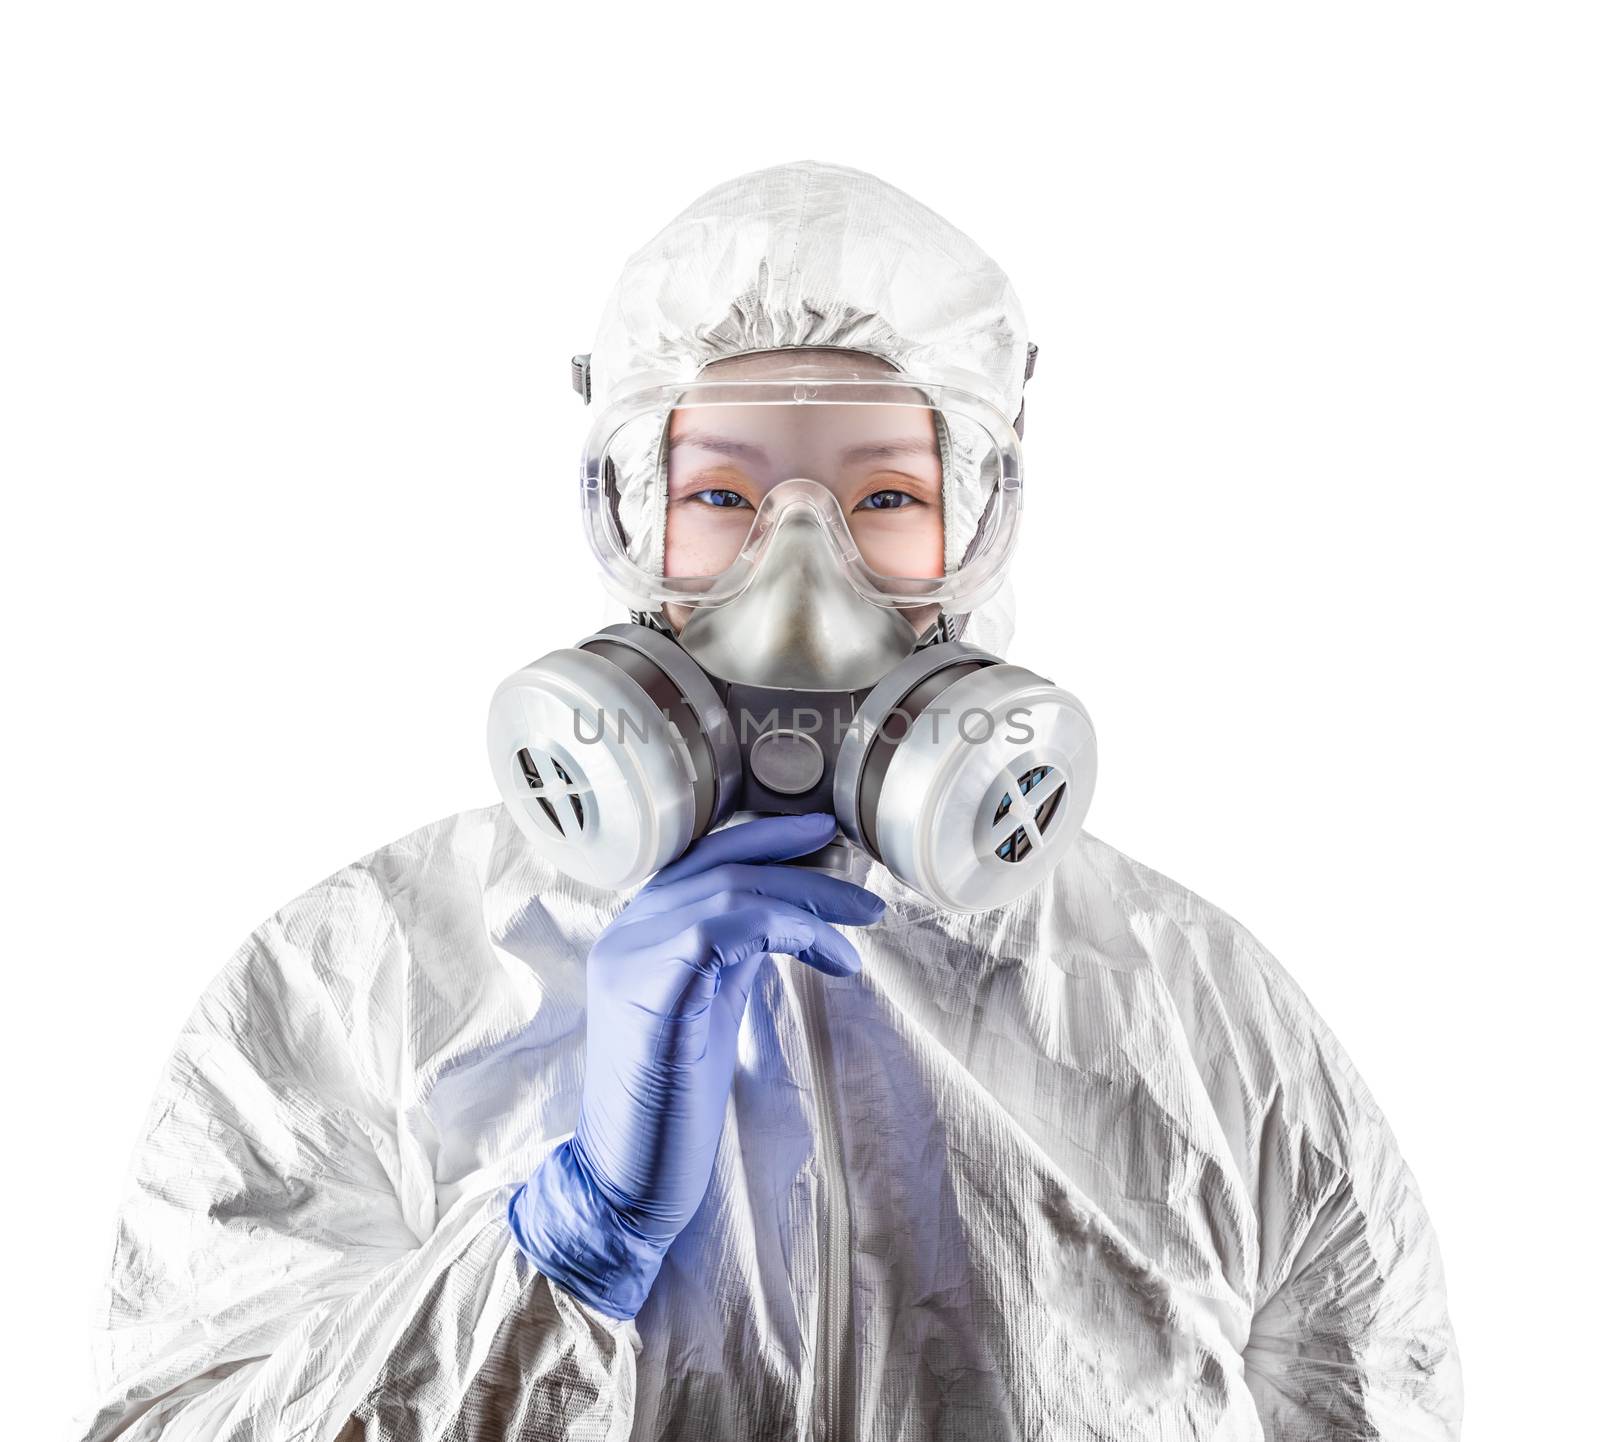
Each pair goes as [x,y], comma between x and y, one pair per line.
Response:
[799,553]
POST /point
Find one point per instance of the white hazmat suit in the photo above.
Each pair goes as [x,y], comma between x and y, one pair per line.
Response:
[1085,1166]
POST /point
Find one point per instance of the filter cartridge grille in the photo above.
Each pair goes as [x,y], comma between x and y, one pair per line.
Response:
[559,797]
[1023,823]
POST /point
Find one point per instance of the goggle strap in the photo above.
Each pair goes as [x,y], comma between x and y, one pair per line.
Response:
[652,620]
[1027,375]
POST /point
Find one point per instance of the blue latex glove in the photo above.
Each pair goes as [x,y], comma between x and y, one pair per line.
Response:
[667,984]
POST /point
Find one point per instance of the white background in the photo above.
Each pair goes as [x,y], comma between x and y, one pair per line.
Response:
[288,470]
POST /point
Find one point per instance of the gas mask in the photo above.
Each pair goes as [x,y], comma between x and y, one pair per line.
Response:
[799,554]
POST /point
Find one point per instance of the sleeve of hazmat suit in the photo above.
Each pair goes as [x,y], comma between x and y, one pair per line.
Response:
[298,1253]
[1349,1335]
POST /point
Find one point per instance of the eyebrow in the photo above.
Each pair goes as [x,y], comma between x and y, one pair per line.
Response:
[745,450]
[722,445]
[889,450]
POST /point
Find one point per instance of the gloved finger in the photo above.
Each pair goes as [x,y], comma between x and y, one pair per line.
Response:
[768,838]
[736,981]
[642,929]
[829,897]
[775,926]
[675,965]
[647,959]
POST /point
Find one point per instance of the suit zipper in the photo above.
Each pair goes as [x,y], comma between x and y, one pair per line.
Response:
[833,1270]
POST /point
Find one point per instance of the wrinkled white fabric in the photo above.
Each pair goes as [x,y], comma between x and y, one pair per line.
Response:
[809,254]
[812,254]
[1087,1166]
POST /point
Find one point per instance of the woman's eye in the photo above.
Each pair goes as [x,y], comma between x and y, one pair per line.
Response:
[731,499]
[886,501]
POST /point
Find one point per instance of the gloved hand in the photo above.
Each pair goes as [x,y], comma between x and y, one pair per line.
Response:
[667,984]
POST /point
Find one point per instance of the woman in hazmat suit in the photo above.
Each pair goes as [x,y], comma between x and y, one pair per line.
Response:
[771,1063]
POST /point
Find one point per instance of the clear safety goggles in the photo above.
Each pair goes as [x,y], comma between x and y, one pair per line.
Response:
[917,485]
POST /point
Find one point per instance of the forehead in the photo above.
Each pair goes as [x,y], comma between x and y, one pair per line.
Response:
[774,430]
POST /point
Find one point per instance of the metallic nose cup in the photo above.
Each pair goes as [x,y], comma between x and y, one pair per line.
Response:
[799,624]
